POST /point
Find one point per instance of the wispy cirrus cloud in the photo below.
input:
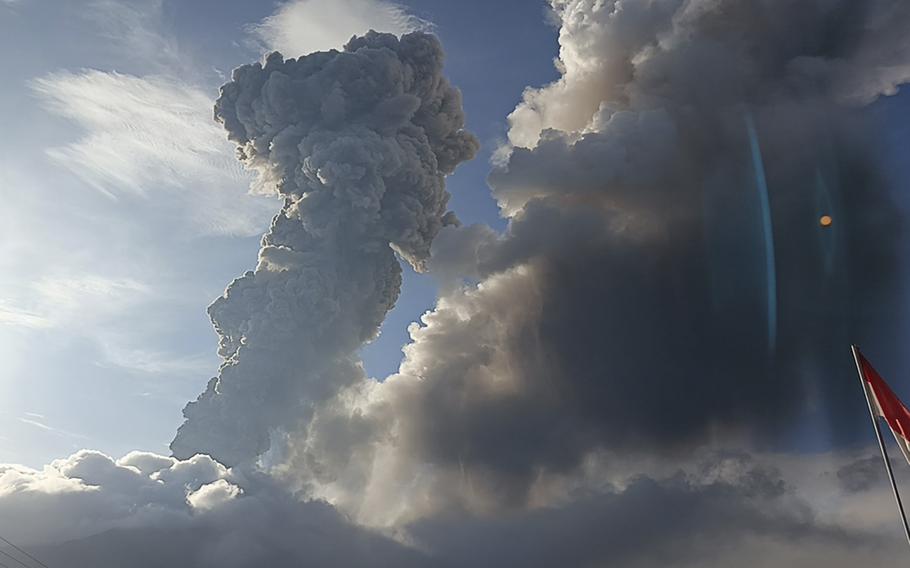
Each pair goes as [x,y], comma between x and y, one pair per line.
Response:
[96,306]
[150,134]
[36,421]
[136,29]
[61,301]
[153,361]
[18,317]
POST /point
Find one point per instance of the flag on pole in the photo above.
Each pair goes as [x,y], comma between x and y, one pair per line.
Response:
[882,402]
[886,405]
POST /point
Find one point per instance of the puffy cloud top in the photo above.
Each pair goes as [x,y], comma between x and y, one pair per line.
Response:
[366,133]
[358,143]
[640,301]
[565,401]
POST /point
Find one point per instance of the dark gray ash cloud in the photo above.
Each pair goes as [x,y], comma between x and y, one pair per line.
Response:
[358,143]
[749,519]
[626,308]
[556,406]
[861,474]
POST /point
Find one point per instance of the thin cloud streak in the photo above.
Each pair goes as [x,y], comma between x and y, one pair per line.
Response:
[60,432]
[152,134]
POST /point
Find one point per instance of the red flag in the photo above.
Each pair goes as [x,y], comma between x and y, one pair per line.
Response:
[886,404]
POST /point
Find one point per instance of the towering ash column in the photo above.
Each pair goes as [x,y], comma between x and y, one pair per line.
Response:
[358,144]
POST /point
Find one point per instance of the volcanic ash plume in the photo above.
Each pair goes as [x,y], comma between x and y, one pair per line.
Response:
[641,305]
[357,143]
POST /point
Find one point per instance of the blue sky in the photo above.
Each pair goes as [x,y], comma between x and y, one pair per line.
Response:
[112,248]
[611,354]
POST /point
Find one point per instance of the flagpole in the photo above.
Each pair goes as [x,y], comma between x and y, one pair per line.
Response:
[881,442]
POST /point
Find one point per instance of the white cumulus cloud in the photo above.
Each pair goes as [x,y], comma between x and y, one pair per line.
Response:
[303,26]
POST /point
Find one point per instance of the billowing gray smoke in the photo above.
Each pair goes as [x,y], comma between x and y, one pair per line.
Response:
[642,304]
[664,292]
[357,143]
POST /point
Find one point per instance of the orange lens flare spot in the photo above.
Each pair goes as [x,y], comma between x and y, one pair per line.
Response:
[825,220]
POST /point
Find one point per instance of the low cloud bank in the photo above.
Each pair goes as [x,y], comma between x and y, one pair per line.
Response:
[151,510]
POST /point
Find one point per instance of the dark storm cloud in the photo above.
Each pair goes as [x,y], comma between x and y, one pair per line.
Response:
[676,328]
[275,531]
[645,238]
[653,320]
[749,519]
[861,474]
[627,307]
